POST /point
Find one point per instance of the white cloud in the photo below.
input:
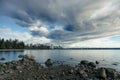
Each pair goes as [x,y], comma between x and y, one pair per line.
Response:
[100,42]
[8,33]
[41,30]
[38,40]
[80,19]
[105,10]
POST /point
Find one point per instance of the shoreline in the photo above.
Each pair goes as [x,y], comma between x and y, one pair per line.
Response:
[28,69]
[62,49]
[11,50]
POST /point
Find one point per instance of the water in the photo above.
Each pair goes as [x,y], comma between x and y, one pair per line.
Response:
[71,57]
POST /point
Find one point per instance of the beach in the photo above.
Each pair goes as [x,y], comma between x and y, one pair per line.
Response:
[28,69]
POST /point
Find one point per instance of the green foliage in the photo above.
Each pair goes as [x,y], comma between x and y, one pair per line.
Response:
[11,44]
[15,44]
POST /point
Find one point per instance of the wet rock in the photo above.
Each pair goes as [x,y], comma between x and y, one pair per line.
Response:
[71,58]
[116,64]
[91,64]
[102,73]
[97,62]
[49,63]
[2,58]
[84,62]
[21,56]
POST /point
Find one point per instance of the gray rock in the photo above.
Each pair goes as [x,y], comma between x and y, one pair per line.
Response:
[102,73]
[71,71]
[83,74]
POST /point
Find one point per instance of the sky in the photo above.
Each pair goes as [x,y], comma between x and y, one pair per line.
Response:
[73,23]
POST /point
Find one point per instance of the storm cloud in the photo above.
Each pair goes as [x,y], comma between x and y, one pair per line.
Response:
[65,20]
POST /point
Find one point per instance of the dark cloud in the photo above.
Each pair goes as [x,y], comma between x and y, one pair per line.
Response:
[74,18]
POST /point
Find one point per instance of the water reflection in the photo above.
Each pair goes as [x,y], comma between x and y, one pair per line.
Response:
[105,57]
[10,55]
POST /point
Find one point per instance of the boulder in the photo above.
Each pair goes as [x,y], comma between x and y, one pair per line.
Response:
[71,71]
[111,73]
[21,56]
[84,62]
[91,64]
[2,58]
[116,64]
[83,74]
[102,73]
[49,63]
[97,62]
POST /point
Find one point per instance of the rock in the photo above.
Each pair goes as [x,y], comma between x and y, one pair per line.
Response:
[116,64]
[31,70]
[111,73]
[20,71]
[71,71]
[2,58]
[21,56]
[71,58]
[49,63]
[84,62]
[83,74]
[97,62]
[3,65]
[18,67]
[102,73]
[91,64]
[51,77]
[63,74]
[29,57]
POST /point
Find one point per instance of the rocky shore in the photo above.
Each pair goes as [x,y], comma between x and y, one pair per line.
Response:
[28,69]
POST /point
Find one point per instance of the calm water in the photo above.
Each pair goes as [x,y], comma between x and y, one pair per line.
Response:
[71,57]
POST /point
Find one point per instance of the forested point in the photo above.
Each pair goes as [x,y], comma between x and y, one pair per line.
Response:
[11,44]
[16,44]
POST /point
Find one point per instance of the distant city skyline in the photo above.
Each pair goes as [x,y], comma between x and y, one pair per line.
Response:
[77,23]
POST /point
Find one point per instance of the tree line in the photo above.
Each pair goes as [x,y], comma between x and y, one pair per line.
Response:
[11,44]
[16,44]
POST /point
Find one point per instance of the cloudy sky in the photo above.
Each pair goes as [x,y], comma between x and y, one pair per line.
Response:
[72,23]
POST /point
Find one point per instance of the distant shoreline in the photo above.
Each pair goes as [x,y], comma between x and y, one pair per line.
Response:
[63,49]
[12,49]
[92,48]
